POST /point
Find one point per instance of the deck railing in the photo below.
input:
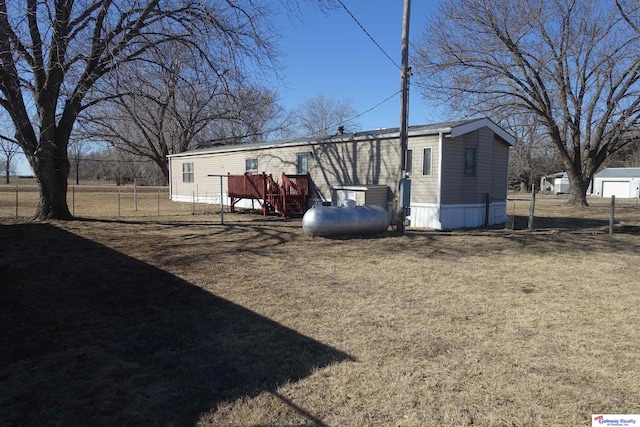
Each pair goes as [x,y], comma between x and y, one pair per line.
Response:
[288,198]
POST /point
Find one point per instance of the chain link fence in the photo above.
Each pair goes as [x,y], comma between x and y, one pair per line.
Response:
[604,214]
[20,201]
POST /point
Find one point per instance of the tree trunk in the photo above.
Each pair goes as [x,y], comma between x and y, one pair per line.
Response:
[52,174]
[578,191]
[165,172]
[8,168]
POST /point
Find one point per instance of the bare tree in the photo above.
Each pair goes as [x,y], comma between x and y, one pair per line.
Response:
[322,115]
[625,158]
[112,165]
[8,148]
[533,156]
[571,64]
[53,53]
[630,11]
[77,153]
[252,114]
[165,104]
[173,103]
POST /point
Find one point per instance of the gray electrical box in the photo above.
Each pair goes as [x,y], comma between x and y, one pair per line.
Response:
[405,193]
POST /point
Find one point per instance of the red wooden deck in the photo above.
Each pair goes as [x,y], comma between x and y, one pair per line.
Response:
[288,198]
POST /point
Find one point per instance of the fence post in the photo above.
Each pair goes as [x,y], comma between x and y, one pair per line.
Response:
[118,201]
[158,202]
[486,209]
[135,194]
[532,209]
[613,215]
[222,204]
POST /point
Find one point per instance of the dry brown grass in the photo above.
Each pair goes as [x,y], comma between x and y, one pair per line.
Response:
[100,201]
[179,320]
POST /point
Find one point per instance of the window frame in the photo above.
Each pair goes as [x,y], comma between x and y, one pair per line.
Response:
[430,171]
[247,169]
[187,172]
[470,163]
[299,170]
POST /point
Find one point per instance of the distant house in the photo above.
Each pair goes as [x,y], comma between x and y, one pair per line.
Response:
[458,170]
[619,182]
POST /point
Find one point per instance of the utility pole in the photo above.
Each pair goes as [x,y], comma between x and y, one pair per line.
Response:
[404,184]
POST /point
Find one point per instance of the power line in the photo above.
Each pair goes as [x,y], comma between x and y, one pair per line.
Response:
[374,107]
[348,119]
[376,43]
[333,125]
[367,33]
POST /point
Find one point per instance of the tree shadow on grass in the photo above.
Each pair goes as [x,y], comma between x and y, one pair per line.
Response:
[258,238]
[94,337]
[495,240]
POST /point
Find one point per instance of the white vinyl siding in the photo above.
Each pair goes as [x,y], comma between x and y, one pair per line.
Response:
[499,170]
[424,188]
[490,155]
[339,163]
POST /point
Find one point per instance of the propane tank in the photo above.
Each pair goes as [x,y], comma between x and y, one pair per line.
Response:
[345,220]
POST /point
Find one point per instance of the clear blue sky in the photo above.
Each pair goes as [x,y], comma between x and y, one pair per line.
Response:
[329,54]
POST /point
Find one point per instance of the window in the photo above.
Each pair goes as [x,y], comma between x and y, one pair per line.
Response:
[426,161]
[470,161]
[408,166]
[252,165]
[303,163]
[187,172]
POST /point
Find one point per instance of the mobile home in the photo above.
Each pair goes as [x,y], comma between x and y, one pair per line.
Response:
[458,170]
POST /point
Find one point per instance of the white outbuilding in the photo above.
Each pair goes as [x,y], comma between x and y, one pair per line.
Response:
[619,182]
[557,183]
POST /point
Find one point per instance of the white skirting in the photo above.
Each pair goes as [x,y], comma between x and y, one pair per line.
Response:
[214,199]
[448,217]
[423,215]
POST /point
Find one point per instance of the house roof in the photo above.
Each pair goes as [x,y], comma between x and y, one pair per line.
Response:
[557,175]
[454,128]
[619,173]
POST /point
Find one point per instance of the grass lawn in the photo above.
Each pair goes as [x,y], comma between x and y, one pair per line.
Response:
[178,320]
